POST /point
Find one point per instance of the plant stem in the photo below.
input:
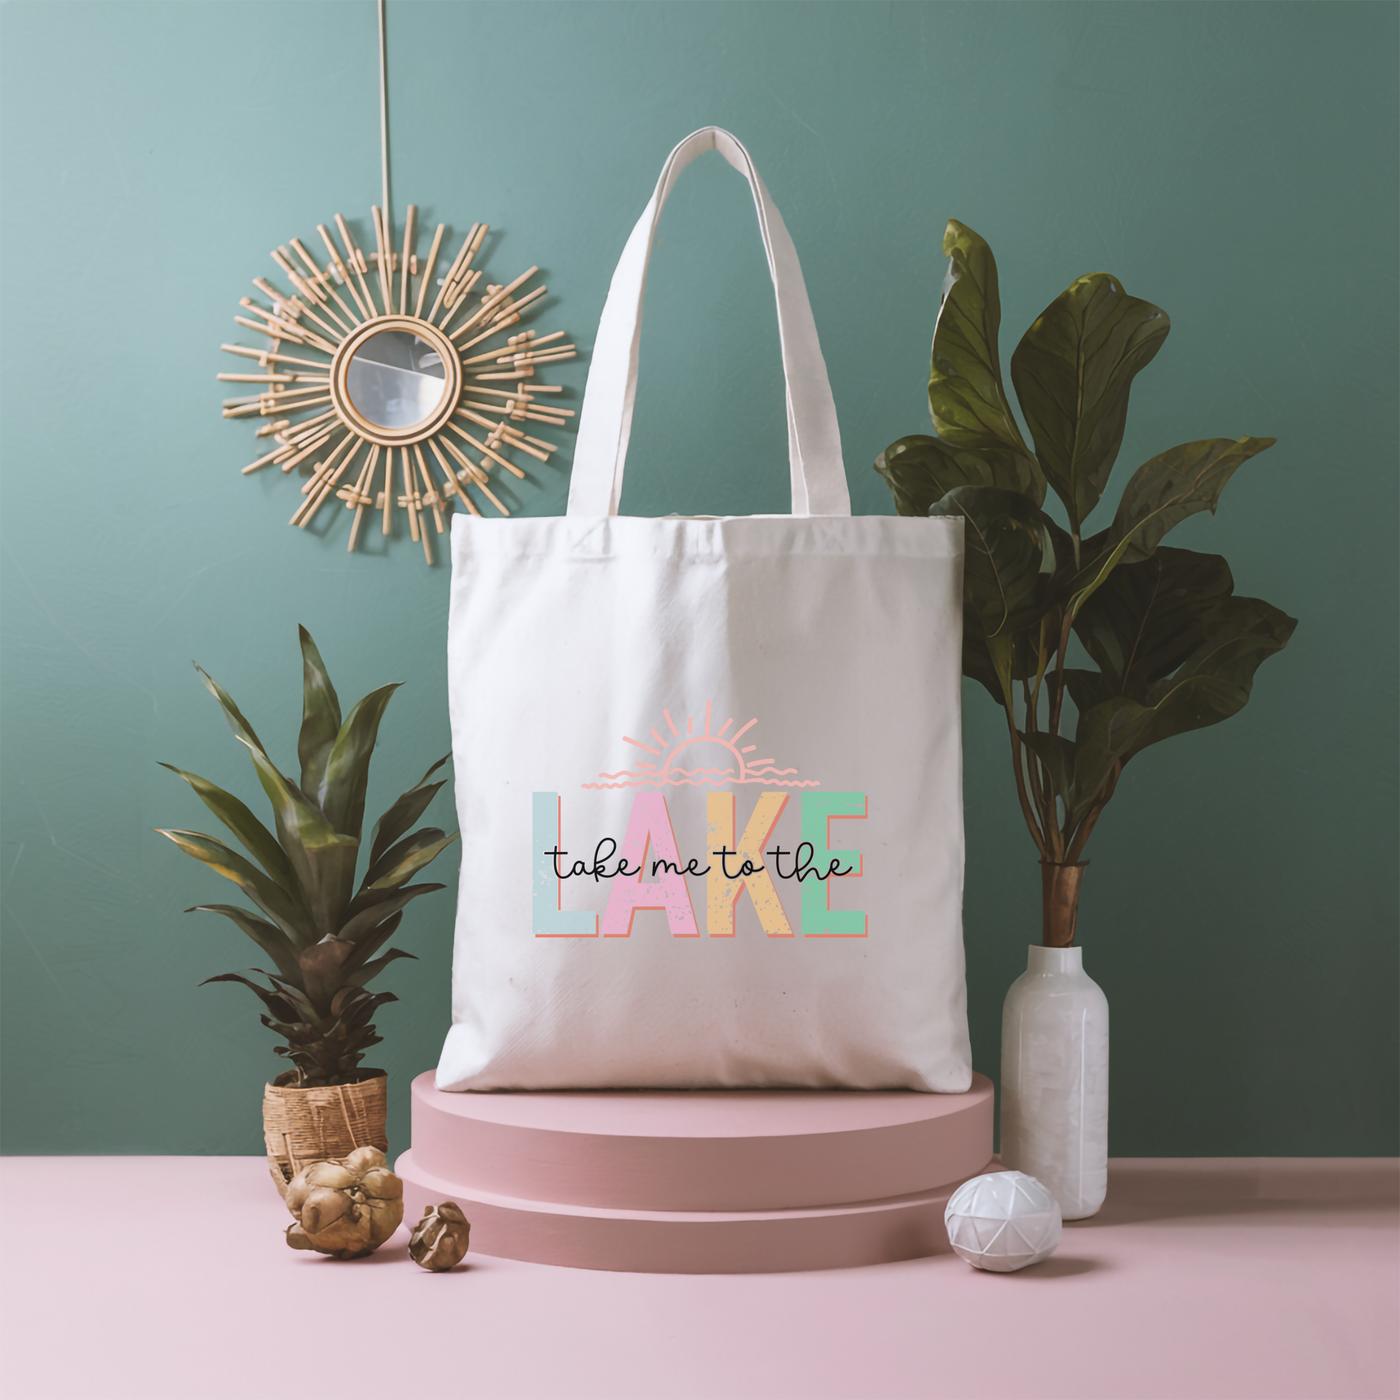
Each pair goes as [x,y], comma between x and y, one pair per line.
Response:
[1036,834]
[1057,685]
[1042,789]
[1086,827]
[1037,769]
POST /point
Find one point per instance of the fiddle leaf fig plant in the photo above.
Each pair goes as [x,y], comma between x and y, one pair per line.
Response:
[320,930]
[1174,648]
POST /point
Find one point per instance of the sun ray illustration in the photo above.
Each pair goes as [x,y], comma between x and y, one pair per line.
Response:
[701,759]
[354,369]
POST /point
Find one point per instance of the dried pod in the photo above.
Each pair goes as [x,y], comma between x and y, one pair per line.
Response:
[345,1209]
[439,1239]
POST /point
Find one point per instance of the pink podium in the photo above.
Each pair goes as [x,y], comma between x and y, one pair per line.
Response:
[698,1181]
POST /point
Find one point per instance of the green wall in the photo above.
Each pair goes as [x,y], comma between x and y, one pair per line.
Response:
[1234,163]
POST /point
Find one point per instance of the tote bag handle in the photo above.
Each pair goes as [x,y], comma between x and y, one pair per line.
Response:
[605,422]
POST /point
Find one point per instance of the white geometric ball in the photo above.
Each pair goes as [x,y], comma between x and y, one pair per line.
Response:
[1003,1221]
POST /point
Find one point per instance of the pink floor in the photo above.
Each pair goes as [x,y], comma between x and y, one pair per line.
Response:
[165,1278]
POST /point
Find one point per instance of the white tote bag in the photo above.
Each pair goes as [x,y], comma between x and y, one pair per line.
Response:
[709,771]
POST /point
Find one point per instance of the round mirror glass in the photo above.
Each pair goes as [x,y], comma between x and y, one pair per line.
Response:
[395,380]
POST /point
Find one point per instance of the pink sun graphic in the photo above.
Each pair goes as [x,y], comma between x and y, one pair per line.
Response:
[695,757]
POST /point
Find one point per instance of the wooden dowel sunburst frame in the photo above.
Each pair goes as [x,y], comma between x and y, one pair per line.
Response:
[301,377]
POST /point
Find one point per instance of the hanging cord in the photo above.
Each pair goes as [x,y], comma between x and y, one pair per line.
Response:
[384,121]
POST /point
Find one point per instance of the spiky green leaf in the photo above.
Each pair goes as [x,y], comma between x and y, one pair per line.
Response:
[287,913]
[404,811]
[370,908]
[267,936]
[255,838]
[232,714]
[323,858]
[341,795]
[278,1001]
[370,970]
[320,715]
[372,940]
[394,857]
[414,859]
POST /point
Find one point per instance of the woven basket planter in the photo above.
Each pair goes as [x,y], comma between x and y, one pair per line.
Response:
[321,1125]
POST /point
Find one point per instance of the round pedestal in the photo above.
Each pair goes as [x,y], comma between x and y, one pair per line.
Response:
[698,1181]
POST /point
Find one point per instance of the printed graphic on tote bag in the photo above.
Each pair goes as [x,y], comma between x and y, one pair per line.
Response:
[646,870]
[700,748]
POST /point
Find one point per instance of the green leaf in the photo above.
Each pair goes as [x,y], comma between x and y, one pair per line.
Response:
[1008,556]
[370,943]
[405,811]
[424,836]
[966,399]
[341,795]
[320,715]
[283,1005]
[1101,743]
[977,661]
[413,859]
[1161,494]
[1240,634]
[255,838]
[370,908]
[1147,618]
[1072,371]
[371,970]
[354,1006]
[287,913]
[232,713]
[1011,653]
[323,858]
[303,1008]
[920,470]
[978,664]
[1213,683]
[1088,688]
[267,936]
[1174,485]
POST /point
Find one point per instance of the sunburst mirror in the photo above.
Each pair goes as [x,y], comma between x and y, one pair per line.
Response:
[382,404]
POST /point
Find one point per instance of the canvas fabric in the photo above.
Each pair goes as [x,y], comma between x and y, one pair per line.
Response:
[708,771]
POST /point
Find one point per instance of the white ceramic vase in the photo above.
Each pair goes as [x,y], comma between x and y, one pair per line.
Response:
[1054,1079]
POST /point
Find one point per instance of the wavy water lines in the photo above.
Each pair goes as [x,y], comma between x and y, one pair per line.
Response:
[700,782]
[729,761]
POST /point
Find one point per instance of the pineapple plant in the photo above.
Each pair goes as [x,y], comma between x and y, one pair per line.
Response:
[322,932]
